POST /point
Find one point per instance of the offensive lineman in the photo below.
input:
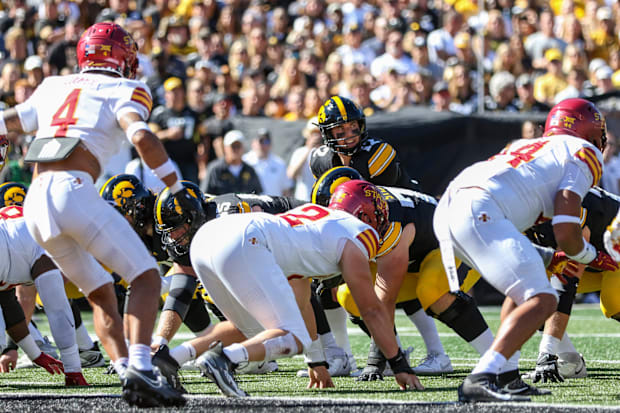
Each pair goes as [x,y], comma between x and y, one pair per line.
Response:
[80,121]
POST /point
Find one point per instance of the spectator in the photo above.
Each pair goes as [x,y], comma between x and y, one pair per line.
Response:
[360,92]
[502,93]
[571,32]
[352,51]
[544,39]
[495,29]
[529,130]
[299,164]
[312,103]
[419,55]
[464,99]
[10,75]
[441,41]
[604,37]
[441,97]
[270,168]
[552,82]
[295,104]
[175,125]
[289,76]
[230,173]
[393,58]
[464,51]
[507,60]
[421,87]
[576,78]
[377,41]
[33,67]
[574,58]
[525,90]
[217,126]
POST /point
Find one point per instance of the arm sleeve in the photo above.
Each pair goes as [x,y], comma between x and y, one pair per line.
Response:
[27,111]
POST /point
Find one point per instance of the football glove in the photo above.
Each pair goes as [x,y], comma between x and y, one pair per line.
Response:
[75,379]
[603,262]
[49,363]
[611,239]
[547,369]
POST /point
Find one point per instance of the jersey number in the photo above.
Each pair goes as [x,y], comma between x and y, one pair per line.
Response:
[64,116]
[310,213]
[525,153]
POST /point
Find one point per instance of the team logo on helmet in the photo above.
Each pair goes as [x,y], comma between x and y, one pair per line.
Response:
[122,192]
[177,207]
[569,122]
[14,196]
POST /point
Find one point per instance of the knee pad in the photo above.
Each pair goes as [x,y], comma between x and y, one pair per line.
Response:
[11,309]
[463,317]
[282,346]
[182,287]
[567,295]
[410,307]
[197,318]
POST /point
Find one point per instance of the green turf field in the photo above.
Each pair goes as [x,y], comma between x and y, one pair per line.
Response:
[595,336]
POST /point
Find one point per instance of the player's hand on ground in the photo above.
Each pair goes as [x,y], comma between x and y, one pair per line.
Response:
[49,363]
[319,378]
[371,373]
[8,361]
[408,381]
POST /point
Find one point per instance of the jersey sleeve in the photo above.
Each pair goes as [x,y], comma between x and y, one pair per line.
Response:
[383,165]
[27,111]
[583,171]
[391,238]
[135,97]
[368,242]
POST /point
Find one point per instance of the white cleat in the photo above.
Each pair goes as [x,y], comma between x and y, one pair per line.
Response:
[572,366]
[434,364]
[257,367]
[339,365]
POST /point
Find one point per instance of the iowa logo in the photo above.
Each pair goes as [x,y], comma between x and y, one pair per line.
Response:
[123,192]
[322,116]
[12,195]
[177,207]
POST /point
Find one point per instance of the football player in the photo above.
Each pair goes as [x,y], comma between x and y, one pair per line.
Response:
[25,262]
[485,209]
[14,193]
[250,263]
[557,355]
[80,122]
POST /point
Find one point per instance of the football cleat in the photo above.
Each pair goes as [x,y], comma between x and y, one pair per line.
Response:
[168,367]
[75,379]
[92,357]
[434,364]
[482,387]
[339,365]
[149,389]
[215,365]
[511,382]
[257,367]
[572,366]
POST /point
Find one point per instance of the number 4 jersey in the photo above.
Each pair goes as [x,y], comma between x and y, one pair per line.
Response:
[525,177]
[85,106]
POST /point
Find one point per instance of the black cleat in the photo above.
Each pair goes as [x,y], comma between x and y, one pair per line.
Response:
[92,357]
[149,389]
[168,367]
[215,365]
[375,366]
[511,382]
[482,387]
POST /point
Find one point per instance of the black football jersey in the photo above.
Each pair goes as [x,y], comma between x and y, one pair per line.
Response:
[407,206]
[376,161]
[599,208]
[239,203]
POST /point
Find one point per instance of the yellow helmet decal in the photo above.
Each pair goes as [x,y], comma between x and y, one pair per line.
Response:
[122,192]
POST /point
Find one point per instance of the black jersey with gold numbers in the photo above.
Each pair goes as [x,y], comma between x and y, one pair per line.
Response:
[376,161]
[239,203]
[407,206]
[599,208]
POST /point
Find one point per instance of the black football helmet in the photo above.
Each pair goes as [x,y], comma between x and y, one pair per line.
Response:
[12,193]
[128,195]
[336,111]
[325,186]
[169,216]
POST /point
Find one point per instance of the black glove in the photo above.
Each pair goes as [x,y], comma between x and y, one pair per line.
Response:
[375,365]
[191,206]
[547,369]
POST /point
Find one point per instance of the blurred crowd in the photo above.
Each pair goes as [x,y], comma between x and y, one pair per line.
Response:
[209,62]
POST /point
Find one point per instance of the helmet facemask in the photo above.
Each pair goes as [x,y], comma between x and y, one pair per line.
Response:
[336,136]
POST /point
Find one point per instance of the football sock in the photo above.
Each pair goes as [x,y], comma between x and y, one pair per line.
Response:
[490,362]
[427,328]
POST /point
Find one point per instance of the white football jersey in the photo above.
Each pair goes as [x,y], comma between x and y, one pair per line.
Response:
[85,106]
[18,251]
[525,177]
[309,240]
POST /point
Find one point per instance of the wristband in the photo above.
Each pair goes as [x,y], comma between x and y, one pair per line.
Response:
[561,219]
[586,255]
[176,187]
[318,363]
[399,363]
[3,130]
[135,127]
[164,169]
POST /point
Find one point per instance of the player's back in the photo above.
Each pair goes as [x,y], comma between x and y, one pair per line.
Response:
[87,106]
[309,240]
[524,177]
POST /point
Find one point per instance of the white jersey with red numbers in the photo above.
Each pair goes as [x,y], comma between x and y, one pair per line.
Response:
[18,251]
[308,240]
[85,106]
[524,178]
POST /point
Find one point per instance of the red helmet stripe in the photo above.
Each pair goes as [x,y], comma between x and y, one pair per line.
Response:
[142,96]
[588,156]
